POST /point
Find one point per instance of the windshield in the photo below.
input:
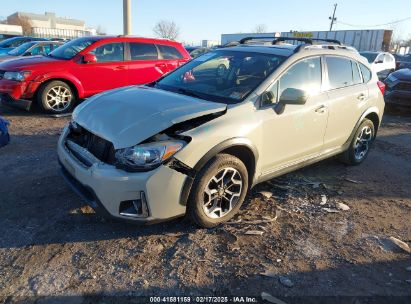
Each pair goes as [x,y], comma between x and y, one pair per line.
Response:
[72,48]
[21,49]
[222,76]
[11,42]
[370,56]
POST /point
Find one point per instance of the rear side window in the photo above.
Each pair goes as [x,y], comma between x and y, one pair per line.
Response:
[169,52]
[356,73]
[143,51]
[366,73]
[340,72]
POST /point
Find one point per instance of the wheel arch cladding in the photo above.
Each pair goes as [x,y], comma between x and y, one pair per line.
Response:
[241,148]
[375,120]
[72,86]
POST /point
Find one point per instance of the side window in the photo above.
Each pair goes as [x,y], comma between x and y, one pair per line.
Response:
[169,52]
[55,46]
[380,58]
[304,75]
[143,51]
[38,50]
[46,48]
[340,72]
[109,52]
[355,73]
[366,73]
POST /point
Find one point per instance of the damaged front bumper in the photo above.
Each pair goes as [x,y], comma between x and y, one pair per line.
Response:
[112,192]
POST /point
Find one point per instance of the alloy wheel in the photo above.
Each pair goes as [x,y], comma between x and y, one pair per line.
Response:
[222,193]
[58,98]
[362,143]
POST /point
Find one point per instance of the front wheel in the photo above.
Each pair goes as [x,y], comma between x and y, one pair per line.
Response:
[360,144]
[56,97]
[218,191]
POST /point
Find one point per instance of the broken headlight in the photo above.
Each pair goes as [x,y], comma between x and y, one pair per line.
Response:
[147,156]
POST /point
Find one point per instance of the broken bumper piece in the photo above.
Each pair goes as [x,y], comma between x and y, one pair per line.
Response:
[142,197]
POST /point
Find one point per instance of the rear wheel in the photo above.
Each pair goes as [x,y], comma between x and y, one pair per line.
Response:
[56,97]
[218,191]
[360,144]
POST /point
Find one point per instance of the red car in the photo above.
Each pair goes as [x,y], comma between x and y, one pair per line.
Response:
[84,67]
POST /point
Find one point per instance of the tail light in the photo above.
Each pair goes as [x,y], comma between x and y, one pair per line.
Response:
[381,86]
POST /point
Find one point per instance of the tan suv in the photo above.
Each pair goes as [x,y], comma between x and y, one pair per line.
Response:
[195,141]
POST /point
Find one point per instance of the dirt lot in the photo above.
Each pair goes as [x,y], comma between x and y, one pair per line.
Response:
[53,249]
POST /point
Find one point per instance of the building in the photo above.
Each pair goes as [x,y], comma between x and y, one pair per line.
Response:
[362,40]
[209,43]
[49,25]
[7,31]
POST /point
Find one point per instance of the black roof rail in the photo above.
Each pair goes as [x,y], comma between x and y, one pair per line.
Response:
[281,39]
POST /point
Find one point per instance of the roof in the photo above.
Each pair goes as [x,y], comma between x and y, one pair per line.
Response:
[282,50]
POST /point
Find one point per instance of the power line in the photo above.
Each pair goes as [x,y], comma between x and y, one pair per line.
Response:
[374,25]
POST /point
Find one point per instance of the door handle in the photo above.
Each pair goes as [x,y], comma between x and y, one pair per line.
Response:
[361,97]
[321,109]
[120,67]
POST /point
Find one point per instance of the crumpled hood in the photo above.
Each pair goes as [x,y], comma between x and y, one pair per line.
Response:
[129,115]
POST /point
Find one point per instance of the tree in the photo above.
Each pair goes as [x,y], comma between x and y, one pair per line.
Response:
[166,29]
[260,28]
[25,24]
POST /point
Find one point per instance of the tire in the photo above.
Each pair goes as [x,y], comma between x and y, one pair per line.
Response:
[56,97]
[222,166]
[360,145]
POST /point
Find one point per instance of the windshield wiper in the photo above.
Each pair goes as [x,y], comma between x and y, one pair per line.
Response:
[189,93]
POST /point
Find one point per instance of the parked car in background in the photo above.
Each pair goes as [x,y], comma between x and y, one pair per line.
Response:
[381,63]
[84,67]
[404,62]
[198,52]
[398,88]
[195,144]
[8,44]
[189,49]
[32,48]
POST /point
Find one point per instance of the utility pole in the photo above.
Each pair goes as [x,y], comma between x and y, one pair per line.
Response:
[333,18]
[127,17]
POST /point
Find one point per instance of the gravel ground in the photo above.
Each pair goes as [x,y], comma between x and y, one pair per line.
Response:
[54,249]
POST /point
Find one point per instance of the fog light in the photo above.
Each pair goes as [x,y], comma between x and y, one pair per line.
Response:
[135,208]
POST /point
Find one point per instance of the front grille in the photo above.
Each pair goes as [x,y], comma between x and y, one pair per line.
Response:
[99,147]
[403,86]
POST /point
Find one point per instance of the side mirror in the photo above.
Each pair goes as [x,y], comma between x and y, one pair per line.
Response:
[27,54]
[89,58]
[293,96]
[290,96]
[267,98]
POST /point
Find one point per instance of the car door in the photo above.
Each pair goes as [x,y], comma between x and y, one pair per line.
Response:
[170,57]
[144,65]
[347,95]
[298,132]
[108,72]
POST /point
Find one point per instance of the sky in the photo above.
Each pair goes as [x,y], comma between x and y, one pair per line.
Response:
[208,19]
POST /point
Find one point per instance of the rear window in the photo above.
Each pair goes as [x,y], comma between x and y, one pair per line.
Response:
[339,72]
[356,73]
[366,73]
[143,51]
[169,52]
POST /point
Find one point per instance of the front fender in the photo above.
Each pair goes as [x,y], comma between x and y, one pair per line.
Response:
[65,77]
